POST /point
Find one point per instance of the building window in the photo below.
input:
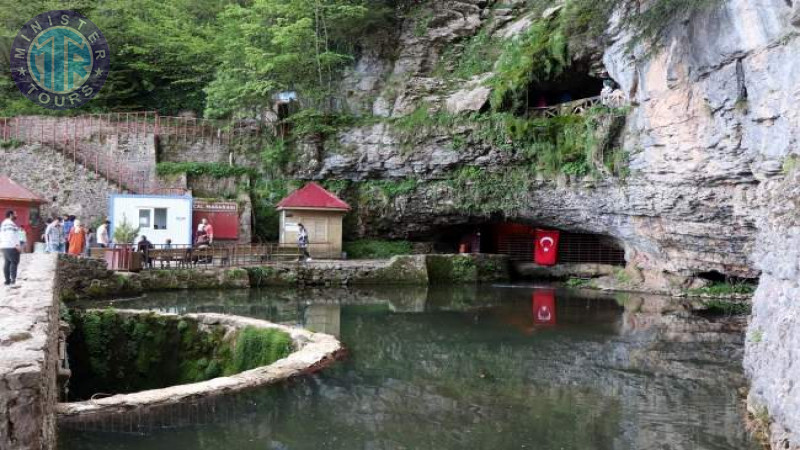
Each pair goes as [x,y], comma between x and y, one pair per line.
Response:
[144,218]
[160,219]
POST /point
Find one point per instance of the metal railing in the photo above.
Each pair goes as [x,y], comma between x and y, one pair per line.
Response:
[90,140]
[181,256]
[573,108]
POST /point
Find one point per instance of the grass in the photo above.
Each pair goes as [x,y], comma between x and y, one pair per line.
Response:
[578,282]
[724,289]
[376,249]
[475,57]
[790,164]
[10,143]
[215,170]
[622,276]
[256,347]
[727,308]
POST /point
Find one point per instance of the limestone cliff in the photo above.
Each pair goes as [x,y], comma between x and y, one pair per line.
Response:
[712,136]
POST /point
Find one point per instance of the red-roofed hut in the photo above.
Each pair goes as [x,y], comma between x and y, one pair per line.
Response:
[321,212]
[25,204]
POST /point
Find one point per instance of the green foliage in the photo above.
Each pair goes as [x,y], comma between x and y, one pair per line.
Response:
[113,354]
[724,289]
[315,123]
[475,190]
[222,56]
[578,282]
[790,163]
[10,143]
[376,249]
[622,276]
[475,57]
[727,307]
[125,232]
[444,269]
[383,192]
[268,46]
[215,170]
[257,347]
[265,195]
[539,55]
[569,144]
[275,156]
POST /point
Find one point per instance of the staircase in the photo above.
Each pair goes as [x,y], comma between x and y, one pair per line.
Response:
[120,147]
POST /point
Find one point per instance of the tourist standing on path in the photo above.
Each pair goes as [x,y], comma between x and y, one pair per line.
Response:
[103,237]
[54,236]
[69,222]
[77,238]
[302,243]
[10,247]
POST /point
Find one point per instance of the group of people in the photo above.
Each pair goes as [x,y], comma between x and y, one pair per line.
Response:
[69,235]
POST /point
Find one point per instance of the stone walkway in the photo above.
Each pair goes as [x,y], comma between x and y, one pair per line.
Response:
[29,356]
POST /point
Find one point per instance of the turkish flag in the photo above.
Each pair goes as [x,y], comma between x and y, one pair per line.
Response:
[546,248]
[544,307]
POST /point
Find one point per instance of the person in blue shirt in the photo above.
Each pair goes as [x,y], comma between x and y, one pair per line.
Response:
[69,221]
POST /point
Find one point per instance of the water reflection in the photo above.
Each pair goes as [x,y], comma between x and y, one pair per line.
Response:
[467,367]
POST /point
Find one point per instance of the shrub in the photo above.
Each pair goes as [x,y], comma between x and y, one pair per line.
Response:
[376,249]
[724,289]
[215,170]
[257,347]
[125,232]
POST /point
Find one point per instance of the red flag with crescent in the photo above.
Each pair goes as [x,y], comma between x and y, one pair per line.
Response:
[544,307]
[546,248]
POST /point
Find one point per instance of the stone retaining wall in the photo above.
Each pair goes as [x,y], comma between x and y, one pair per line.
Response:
[29,322]
[313,351]
[88,279]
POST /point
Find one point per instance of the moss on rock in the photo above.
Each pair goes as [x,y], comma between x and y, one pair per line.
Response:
[118,353]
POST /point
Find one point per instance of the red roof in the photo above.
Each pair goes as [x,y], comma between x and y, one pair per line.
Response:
[312,195]
[10,190]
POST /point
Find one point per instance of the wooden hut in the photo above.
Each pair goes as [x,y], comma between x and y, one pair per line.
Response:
[321,212]
[25,204]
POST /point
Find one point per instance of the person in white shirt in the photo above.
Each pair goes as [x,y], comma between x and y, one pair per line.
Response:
[103,238]
[10,247]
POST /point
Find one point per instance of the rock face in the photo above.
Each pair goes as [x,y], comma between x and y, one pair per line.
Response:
[712,134]
[711,122]
[69,188]
[774,333]
[29,330]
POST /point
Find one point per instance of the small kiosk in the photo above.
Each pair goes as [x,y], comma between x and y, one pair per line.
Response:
[26,206]
[159,217]
[321,212]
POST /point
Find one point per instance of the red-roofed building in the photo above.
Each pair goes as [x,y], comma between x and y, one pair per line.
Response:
[25,204]
[321,212]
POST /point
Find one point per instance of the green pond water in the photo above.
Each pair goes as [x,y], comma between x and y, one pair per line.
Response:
[490,367]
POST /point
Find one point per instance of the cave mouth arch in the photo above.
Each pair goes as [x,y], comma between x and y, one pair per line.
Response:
[516,240]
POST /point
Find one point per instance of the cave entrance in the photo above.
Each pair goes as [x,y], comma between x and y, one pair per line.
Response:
[568,87]
[517,241]
[579,84]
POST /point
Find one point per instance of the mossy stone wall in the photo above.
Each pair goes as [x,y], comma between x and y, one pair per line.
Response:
[467,268]
[113,353]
